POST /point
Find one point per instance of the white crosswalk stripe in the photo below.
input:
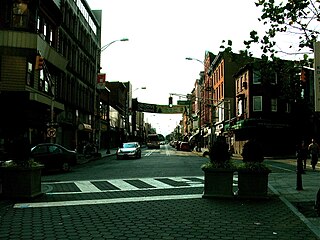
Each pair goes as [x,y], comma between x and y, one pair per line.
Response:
[112,185]
[86,186]
[155,183]
[123,185]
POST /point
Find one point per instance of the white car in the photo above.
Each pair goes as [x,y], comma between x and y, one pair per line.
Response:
[129,150]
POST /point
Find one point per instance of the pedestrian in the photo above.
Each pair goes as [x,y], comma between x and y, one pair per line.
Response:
[314,151]
[302,155]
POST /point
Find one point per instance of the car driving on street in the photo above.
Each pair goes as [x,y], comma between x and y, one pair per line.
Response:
[129,150]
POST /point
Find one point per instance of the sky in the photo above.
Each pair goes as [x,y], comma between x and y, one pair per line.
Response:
[162,33]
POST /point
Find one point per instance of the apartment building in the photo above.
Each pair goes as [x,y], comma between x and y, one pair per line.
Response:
[266,97]
[55,101]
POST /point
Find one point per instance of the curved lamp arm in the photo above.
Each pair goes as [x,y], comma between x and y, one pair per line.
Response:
[195,59]
[107,45]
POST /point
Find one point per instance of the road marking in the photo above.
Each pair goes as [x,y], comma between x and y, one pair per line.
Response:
[89,186]
[105,201]
[167,150]
[150,152]
[86,186]
[121,184]
[156,183]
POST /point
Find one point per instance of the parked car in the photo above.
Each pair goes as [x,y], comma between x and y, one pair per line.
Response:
[54,156]
[184,146]
[129,150]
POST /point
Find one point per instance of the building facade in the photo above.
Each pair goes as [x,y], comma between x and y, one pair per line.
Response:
[57,102]
[266,96]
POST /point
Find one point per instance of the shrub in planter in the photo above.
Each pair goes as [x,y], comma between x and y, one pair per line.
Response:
[253,173]
[218,173]
[21,176]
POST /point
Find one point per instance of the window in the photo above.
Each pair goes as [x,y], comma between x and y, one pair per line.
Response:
[240,107]
[257,103]
[40,150]
[274,104]
[288,108]
[256,77]
[54,149]
[45,30]
[41,81]
[20,13]
[29,75]
[274,78]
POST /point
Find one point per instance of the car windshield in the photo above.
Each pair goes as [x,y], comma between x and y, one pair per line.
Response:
[129,145]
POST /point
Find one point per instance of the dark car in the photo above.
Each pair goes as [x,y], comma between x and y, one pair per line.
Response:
[54,156]
[129,150]
[184,146]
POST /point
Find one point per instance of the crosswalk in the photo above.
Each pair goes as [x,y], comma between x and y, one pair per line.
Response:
[71,191]
[109,185]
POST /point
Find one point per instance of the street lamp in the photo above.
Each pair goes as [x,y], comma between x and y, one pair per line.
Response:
[107,45]
[133,113]
[194,59]
[98,52]
[199,117]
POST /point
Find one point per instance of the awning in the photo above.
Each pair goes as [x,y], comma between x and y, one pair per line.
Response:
[85,127]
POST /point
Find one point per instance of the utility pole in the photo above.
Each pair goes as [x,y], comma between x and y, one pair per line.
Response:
[41,65]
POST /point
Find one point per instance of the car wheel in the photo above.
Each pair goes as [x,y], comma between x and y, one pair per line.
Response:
[65,167]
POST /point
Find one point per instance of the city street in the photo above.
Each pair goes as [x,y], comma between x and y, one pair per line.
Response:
[156,197]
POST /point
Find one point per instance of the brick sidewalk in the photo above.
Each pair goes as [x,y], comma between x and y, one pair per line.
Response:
[169,214]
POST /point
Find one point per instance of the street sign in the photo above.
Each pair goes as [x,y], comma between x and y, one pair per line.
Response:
[146,107]
[51,132]
[170,110]
[183,102]
[154,108]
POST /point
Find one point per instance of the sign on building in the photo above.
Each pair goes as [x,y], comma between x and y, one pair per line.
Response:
[101,81]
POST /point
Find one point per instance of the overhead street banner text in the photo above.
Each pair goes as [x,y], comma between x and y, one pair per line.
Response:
[154,108]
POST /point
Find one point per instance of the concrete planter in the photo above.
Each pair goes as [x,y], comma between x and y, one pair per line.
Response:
[253,184]
[21,183]
[218,183]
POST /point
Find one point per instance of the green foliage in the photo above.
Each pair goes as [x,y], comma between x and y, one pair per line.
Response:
[252,152]
[214,165]
[219,154]
[253,166]
[299,18]
[21,164]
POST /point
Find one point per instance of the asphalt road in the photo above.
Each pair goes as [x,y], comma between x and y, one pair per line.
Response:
[156,197]
[163,162]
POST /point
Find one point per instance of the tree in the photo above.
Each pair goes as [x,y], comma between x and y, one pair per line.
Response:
[299,18]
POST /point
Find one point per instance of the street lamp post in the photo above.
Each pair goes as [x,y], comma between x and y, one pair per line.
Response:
[199,143]
[98,53]
[133,111]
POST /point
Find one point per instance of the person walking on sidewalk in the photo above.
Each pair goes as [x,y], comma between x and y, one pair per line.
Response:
[302,155]
[314,151]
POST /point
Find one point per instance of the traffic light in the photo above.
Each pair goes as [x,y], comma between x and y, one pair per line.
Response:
[304,75]
[170,101]
[39,62]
